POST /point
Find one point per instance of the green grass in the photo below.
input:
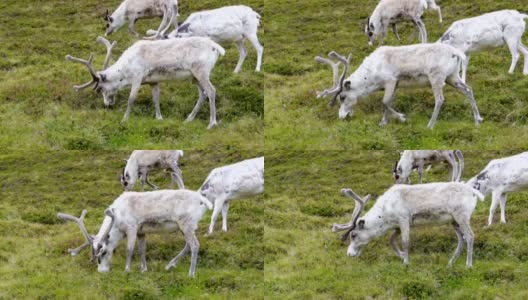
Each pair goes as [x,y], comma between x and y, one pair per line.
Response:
[34,263]
[39,109]
[295,119]
[305,260]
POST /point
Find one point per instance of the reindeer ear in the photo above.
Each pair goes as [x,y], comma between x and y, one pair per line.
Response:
[361,224]
[102,77]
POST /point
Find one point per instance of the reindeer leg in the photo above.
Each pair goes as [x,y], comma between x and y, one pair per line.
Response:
[210,91]
[394,244]
[420,172]
[253,39]
[131,235]
[195,246]
[395,30]
[156,100]
[131,28]
[176,175]
[218,204]
[164,25]
[437,84]
[199,103]
[153,186]
[503,208]
[243,53]
[177,258]
[466,90]
[142,252]
[465,228]
[132,98]
[460,245]
[225,209]
[405,233]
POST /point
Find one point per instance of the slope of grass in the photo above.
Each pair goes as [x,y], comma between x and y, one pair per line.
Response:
[295,119]
[305,260]
[34,262]
[40,110]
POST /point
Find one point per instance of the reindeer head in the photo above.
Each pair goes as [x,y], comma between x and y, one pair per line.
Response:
[101,252]
[340,85]
[401,172]
[111,26]
[103,245]
[100,80]
[371,31]
[356,228]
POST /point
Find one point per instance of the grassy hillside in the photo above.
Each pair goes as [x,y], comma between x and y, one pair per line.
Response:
[295,119]
[34,262]
[40,110]
[305,260]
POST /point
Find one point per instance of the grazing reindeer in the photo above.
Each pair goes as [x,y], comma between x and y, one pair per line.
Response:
[229,24]
[152,62]
[404,206]
[391,12]
[417,159]
[501,176]
[132,10]
[235,181]
[135,214]
[141,162]
[489,31]
[404,66]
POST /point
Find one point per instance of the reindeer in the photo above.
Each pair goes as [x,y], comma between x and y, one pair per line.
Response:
[135,214]
[235,181]
[404,66]
[417,159]
[133,10]
[152,62]
[141,162]
[501,176]
[489,31]
[404,206]
[391,12]
[229,24]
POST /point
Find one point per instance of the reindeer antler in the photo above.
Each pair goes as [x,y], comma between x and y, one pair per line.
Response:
[88,64]
[80,222]
[360,204]
[109,47]
[338,82]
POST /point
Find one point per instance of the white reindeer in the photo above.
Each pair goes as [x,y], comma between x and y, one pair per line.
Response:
[501,176]
[404,66]
[141,162]
[135,214]
[489,31]
[152,62]
[132,10]
[229,24]
[404,206]
[235,181]
[418,159]
[391,12]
